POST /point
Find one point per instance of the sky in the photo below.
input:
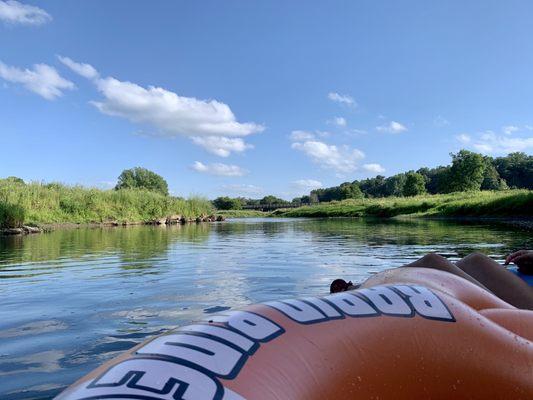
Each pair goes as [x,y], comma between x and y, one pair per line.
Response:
[249,98]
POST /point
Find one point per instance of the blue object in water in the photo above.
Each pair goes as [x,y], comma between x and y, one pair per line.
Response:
[527,278]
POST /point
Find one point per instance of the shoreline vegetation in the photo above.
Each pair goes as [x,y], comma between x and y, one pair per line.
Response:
[28,208]
[479,204]
[472,186]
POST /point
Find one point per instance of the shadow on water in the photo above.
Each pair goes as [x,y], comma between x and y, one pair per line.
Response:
[72,299]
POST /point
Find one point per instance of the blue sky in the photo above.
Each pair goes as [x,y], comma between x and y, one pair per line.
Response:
[253,98]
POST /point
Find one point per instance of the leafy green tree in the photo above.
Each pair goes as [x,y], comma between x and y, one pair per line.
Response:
[227,203]
[437,179]
[466,172]
[516,169]
[141,178]
[394,185]
[415,184]
[373,187]
[491,177]
[13,179]
[350,191]
[272,200]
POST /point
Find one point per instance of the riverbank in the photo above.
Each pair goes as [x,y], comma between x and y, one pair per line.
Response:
[511,203]
[243,213]
[36,205]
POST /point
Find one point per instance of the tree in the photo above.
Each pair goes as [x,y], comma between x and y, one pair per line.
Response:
[516,169]
[373,187]
[14,179]
[466,172]
[394,185]
[491,177]
[415,184]
[350,191]
[272,200]
[227,203]
[437,179]
[141,178]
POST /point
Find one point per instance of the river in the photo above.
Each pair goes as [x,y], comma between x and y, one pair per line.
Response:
[74,298]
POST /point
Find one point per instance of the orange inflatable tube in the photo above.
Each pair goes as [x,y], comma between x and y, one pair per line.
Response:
[408,334]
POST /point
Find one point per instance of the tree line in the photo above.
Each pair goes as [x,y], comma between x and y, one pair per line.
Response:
[468,171]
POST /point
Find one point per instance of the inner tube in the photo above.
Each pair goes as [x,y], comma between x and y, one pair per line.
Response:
[408,333]
[528,278]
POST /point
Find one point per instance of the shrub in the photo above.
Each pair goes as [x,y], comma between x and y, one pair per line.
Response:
[11,215]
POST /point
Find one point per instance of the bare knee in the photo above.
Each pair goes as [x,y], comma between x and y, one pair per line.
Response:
[476,259]
[434,258]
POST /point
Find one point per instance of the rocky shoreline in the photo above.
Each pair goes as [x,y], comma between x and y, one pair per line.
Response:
[169,220]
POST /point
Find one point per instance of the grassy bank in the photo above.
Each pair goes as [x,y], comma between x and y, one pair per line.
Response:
[511,203]
[242,213]
[38,204]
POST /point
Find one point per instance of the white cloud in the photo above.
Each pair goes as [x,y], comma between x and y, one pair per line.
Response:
[342,159]
[339,121]
[490,143]
[299,136]
[243,189]
[392,127]
[170,114]
[220,145]
[304,186]
[85,70]
[373,167]
[342,99]
[509,129]
[173,115]
[218,169]
[14,12]
[42,79]
[463,138]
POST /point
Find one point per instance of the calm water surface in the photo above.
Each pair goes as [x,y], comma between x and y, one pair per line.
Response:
[72,299]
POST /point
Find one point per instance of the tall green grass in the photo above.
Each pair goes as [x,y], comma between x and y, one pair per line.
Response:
[36,203]
[511,203]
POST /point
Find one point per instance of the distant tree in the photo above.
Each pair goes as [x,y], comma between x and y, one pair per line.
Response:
[466,172]
[373,187]
[313,197]
[272,200]
[13,179]
[141,178]
[516,169]
[437,179]
[491,177]
[227,203]
[415,184]
[350,191]
[394,185]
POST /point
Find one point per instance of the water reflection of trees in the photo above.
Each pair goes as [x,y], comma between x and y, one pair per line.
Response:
[136,244]
[418,232]
[128,243]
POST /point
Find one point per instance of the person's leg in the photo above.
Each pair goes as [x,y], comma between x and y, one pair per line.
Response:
[435,261]
[504,284]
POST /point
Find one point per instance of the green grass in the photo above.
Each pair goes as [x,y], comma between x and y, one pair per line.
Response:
[511,203]
[242,213]
[38,204]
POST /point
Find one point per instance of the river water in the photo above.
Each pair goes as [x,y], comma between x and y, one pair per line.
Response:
[72,299]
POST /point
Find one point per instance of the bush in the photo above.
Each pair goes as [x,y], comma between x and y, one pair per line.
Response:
[11,215]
